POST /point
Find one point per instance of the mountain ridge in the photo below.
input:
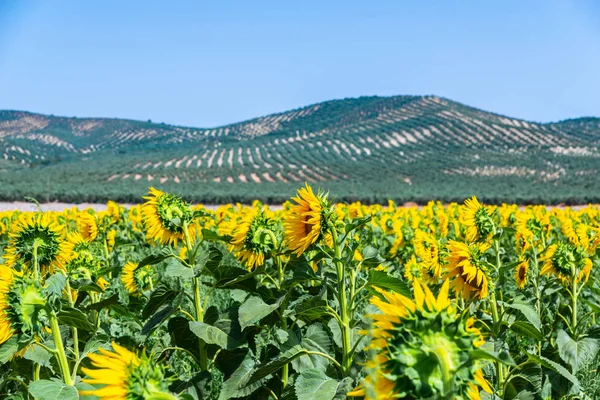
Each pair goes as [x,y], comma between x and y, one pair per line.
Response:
[418,148]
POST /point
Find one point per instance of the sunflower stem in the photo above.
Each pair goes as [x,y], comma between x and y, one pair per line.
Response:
[345,320]
[197,300]
[75,333]
[36,265]
[60,350]
[573,300]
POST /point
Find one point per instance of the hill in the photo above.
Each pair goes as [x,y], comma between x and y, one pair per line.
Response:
[408,148]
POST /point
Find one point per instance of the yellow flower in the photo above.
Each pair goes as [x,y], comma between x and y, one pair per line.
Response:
[477,220]
[427,249]
[306,221]
[252,237]
[165,216]
[8,325]
[521,274]
[565,261]
[37,237]
[125,375]
[135,279]
[466,270]
[87,226]
[420,348]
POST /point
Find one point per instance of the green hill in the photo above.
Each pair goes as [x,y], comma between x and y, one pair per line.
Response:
[409,148]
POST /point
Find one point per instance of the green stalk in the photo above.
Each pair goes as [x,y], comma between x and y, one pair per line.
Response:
[60,350]
[345,320]
[573,300]
[197,299]
[496,319]
[74,331]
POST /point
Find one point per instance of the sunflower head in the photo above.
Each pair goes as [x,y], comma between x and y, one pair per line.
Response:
[427,249]
[137,279]
[38,238]
[565,262]
[308,221]
[21,299]
[123,374]
[478,220]
[165,216]
[467,269]
[252,237]
[87,224]
[521,273]
[421,348]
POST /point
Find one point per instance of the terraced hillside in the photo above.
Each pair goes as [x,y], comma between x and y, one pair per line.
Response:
[409,148]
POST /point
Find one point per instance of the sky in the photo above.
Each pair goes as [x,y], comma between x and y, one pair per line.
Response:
[206,64]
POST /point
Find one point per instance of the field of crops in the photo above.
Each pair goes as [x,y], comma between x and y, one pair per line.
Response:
[314,301]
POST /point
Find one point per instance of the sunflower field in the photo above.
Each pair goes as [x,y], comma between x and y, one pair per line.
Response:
[312,300]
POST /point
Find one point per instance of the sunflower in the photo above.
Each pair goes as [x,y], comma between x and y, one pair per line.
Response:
[565,261]
[136,279]
[37,237]
[87,225]
[307,221]
[421,348]
[427,249]
[477,220]
[125,375]
[165,216]
[521,273]
[20,301]
[467,270]
[251,240]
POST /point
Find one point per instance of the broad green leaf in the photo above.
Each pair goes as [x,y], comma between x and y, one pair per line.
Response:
[503,357]
[156,258]
[213,335]
[158,318]
[111,301]
[163,293]
[207,234]
[576,352]
[39,355]
[238,384]
[371,256]
[86,285]
[382,280]
[55,284]
[313,384]
[311,309]
[74,317]
[526,329]
[254,309]
[177,270]
[275,365]
[545,362]
[528,312]
[55,389]
[9,348]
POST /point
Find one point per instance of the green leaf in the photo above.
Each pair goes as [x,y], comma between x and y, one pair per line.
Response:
[238,384]
[112,300]
[55,284]
[163,293]
[315,338]
[275,365]
[157,319]
[95,342]
[371,256]
[576,352]
[207,234]
[503,357]
[382,280]
[357,223]
[254,309]
[55,389]
[156,258]
[74,317]
[526,329]
[178,270]
[551,365]
[314,384]
[38,355]
[9,348]
[213,335]
[86,285]
[528,312]
[311,309]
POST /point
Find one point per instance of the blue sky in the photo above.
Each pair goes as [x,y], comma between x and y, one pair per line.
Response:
[211,63]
